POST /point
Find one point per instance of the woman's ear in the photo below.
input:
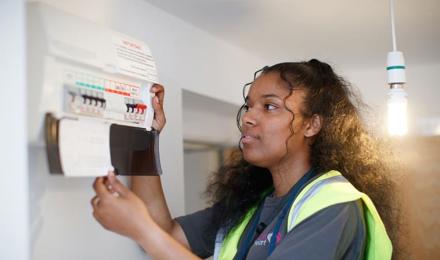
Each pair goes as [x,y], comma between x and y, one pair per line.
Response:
[313,126]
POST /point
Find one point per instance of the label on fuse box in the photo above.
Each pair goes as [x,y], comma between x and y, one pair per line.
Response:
[134,58]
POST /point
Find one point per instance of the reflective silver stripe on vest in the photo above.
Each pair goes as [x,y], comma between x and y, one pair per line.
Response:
[311,192]
[218,243]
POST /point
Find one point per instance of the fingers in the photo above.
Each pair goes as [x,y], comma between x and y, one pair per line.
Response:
[95,202]
[159,114]
[159,92]
[116,185]
[100,188]
[98,217]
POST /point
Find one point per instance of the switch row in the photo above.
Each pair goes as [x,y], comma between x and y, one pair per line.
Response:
[91,100]
[136,108]
[87,99]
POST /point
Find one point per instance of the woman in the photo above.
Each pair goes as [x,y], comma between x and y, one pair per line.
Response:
[293,191]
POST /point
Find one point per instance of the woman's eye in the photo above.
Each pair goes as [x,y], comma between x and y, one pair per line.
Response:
[269,107]
[245,108]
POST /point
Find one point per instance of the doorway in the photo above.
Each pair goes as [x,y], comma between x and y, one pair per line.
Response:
[209,133]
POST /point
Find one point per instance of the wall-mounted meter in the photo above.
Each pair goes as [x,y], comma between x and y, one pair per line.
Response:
[89,96]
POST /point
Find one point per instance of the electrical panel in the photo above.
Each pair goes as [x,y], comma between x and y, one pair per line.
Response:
[102,96]
[92,79]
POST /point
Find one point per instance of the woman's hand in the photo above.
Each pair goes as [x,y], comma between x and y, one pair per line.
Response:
[118,209]
[159,115]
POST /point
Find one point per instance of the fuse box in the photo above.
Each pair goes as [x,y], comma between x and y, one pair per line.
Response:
[97,78]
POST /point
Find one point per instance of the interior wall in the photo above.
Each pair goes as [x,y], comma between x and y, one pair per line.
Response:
[14,217]
[420,190]
[209,120]
[187,58]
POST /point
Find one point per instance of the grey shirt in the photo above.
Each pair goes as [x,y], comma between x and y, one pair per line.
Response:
[336,232]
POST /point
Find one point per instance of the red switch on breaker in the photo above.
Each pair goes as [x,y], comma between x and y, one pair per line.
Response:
[141,108]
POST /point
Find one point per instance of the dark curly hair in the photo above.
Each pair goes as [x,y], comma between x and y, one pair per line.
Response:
[343,144]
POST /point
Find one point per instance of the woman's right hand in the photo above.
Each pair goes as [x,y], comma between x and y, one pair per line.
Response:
[159,115]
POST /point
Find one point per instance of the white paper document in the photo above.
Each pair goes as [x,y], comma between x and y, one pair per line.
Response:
[84,147]
[134,58]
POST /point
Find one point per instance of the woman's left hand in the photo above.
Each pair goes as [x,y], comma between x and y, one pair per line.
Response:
[118,209]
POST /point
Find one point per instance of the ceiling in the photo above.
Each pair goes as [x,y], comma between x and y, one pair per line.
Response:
[346,32]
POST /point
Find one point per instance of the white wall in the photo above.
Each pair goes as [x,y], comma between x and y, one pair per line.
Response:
[14,217]
[187,58]
[209,120]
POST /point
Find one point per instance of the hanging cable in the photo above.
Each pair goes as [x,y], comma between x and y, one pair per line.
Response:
[393,29]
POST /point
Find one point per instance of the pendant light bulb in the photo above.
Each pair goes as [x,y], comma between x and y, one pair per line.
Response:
[397,111]
[397,102]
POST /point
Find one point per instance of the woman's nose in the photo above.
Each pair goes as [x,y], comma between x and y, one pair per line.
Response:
[248,118]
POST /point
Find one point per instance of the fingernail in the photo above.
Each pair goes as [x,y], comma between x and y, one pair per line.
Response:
[156,99]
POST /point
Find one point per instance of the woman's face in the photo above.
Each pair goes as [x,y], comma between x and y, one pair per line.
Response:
[267,123]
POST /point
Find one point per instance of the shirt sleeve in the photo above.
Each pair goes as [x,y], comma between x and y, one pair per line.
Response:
[336,232]
[199,231]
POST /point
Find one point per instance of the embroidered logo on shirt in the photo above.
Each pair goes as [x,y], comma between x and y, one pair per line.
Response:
[264,240]
[269,236]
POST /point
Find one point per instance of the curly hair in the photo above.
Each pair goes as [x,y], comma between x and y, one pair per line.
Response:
[343,144]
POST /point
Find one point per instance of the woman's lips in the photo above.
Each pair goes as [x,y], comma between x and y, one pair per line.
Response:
[247,139]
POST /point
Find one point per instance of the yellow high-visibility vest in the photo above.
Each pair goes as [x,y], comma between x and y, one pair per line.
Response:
[328,189]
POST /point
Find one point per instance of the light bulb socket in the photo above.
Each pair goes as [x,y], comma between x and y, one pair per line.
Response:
[396,68]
